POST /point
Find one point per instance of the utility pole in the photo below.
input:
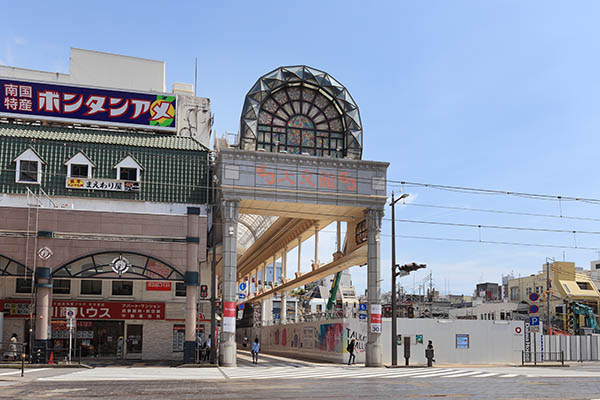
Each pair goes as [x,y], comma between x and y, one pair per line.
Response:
[402,271]
[548,297]
[394,327]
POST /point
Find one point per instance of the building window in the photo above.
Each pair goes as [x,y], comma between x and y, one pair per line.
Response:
[583,285]
[528,291]
[79,166]
[91,286]
[122,288]
[319,307]
[23,285]
[29,167]
[180,289]
[128,174]
[61,286]
[514,293]
[79,171]
[129,169]
[502,315]
[29,171]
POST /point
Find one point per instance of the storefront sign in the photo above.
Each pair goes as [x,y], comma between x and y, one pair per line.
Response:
[89,309]
[229,316]
[376,318]
[44,101]
[158,286]
[111,185]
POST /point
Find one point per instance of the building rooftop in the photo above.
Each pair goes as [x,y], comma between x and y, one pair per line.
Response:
[101,136]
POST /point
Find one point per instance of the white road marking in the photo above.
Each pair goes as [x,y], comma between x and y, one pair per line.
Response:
[26,371]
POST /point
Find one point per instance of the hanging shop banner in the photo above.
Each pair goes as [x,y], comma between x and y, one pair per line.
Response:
[229,316]
[89,309]
[45,101]
[112,185]
[376,318]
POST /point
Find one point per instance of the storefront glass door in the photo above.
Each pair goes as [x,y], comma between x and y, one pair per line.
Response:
[134,340]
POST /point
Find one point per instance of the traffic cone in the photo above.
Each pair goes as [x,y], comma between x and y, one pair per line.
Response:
[51,359]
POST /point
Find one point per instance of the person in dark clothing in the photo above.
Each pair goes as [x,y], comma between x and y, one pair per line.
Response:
[350,348]
[429,354]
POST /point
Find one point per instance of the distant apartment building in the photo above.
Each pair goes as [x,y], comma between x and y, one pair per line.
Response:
[488,291]
[498,311]
[568,285]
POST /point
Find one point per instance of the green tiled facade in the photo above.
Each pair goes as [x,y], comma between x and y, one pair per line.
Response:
[175,169]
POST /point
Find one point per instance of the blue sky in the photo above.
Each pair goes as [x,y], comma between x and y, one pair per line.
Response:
[502,95]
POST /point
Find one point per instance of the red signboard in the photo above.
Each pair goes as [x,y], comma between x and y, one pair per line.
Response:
[89,309]
[229,309]
[158,286]
[376,318]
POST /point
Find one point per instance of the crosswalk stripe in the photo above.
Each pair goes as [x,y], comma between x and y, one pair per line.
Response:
[288,371]
[488,375]
[463,374]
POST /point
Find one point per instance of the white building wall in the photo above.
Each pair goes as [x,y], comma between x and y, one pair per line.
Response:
[489,341]
[95,68]
[116,71]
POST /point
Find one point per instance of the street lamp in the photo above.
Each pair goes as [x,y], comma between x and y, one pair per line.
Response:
[396,271]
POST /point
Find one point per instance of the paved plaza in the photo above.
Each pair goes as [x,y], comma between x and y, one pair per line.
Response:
[278,377]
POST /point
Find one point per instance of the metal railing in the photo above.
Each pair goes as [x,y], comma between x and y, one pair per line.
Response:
[528,357]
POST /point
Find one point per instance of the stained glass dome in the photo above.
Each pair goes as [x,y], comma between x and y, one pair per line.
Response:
[301,110]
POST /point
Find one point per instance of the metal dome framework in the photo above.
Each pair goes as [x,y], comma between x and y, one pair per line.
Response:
[301,110]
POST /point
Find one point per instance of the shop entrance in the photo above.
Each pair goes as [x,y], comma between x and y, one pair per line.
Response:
[134,342]
[98,339]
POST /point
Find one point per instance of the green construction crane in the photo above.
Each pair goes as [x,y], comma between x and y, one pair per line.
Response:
[334,289]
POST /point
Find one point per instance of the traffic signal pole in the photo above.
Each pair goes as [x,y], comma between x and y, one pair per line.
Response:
[397,270]
[394,327]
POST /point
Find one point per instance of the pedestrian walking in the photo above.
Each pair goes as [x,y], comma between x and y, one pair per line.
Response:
[255,351]
[12,347]
[429,354]
[350,348]
[208,347]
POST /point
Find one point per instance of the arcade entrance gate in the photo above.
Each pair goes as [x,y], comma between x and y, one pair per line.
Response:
[297,165]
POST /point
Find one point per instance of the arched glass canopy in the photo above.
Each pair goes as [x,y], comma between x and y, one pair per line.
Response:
[100,265]
[301,110]
[9,267]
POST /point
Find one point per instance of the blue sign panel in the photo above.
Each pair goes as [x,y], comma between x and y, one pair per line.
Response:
[45,101]
[241,306]
[362,316]
[242,296]
[243,286]
[534,321]
[362,307]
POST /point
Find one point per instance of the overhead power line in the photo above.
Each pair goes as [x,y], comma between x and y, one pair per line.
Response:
[497,242]
[465,189]
[516,228]
[483,210]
